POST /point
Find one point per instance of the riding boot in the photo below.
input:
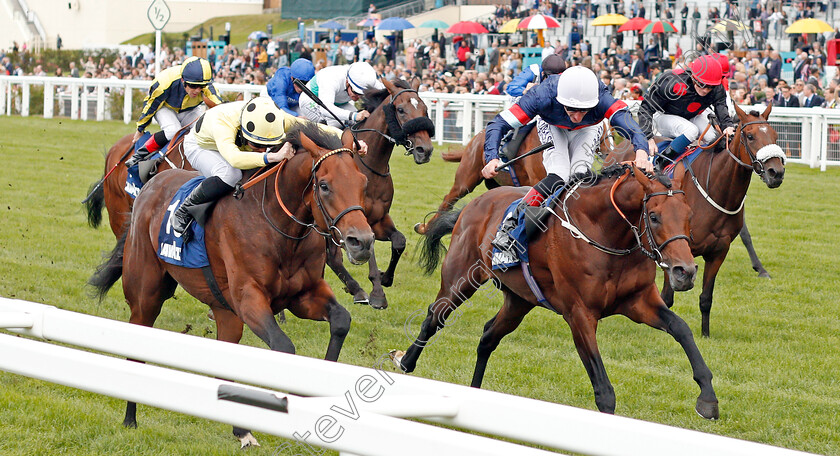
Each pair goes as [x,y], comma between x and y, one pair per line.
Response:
[208,190]
[672,152]
[141,154]
[153,144]
[503,240]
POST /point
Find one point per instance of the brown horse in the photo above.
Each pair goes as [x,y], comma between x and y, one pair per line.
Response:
[266,253]
[112,195]
[398,111]
[716,185]
[597,267]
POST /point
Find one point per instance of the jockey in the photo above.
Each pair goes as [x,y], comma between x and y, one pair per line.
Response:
[676,102]
[174,101]
[338,86]
[533,74]
[229,138]
[574,105]
[281,87]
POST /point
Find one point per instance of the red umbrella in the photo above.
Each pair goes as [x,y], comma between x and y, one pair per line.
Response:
[637,23]
[538,21]
[467,27]
[660,27]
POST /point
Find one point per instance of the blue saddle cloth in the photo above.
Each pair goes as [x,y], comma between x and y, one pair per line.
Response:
[504,259]
[687,160]
[171,248]
[133,184]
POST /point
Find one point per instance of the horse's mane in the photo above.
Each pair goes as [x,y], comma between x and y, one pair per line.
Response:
[613,171]
[374,97]
[312,131]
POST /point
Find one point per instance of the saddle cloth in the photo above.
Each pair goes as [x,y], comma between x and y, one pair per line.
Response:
[171,248]
[133,183]
[504,259]
[688,157]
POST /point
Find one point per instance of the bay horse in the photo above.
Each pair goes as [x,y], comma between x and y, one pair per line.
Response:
[112,195]
[529,171]
[397,117]
[716,185]
[598,266]
[266,252]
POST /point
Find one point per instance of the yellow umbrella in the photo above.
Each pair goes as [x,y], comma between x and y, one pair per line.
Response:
[809,26]
[729,25]
[509,26]
[610,19]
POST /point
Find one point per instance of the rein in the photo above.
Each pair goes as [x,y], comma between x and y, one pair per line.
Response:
[331,222]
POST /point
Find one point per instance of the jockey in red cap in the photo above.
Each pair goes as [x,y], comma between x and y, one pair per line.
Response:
[675,105]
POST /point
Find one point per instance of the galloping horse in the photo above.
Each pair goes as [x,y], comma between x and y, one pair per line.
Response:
[398,111]
[112,195]
[596,268]
[266,252]
[716,187]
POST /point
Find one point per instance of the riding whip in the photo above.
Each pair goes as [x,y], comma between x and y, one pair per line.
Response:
[315,98]
[533,151]
[102,181]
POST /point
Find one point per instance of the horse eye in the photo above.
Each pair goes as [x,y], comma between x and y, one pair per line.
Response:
[323,186]
[400,110]
[654,218]
[750,137]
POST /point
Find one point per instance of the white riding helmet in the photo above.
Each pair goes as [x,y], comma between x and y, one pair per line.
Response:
[361,77]
[578,88]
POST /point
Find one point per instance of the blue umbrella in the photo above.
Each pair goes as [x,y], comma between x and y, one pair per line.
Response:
[332,25]
[394,23]
[257,35]
[435,24]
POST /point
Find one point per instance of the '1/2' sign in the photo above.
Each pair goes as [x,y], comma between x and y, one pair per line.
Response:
[158,14]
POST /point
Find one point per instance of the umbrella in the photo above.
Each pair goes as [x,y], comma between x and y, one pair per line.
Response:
[610,19]
[434,23]
[660,27]
[257,35]
[809,26]
[538,22]
[332,25]
[467,27]
[509,26]
[394,23]
[728,25]
[637,23]
[369,22]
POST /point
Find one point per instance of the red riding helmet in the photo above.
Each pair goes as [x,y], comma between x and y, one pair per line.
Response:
[724,65]
[707,70]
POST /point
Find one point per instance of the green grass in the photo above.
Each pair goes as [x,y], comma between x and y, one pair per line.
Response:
[774,347]
[240,27]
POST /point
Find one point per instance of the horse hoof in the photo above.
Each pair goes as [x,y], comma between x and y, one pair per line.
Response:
[396,358]
[386,280]
[248,440]
[379,302]
[420,228]
[130,424]
[361,298]
[708,410]
[764,275]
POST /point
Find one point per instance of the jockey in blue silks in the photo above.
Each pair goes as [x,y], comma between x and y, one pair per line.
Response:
[574,104]
[281,87]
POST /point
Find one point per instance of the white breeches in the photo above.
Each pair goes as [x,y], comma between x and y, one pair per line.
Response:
[316,113]
[170,121]
[671,126]
[210,162]
[573,151]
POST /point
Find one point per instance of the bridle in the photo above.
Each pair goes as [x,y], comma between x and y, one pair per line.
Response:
[331,223]
[655,251]
[400,131]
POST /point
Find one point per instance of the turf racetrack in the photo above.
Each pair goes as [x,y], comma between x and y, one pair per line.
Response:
[774,351]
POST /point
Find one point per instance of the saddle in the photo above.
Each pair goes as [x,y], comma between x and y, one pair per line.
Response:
[511,142]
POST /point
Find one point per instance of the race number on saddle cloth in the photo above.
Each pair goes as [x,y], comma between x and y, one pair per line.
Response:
[133,182]
[174,249]
[674,105]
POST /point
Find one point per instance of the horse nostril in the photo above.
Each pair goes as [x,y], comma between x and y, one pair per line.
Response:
[352,242]
[771,173]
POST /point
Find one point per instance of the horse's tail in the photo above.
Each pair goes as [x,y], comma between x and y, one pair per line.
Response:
[94,205]
[453,155]
[432,248]
[110,270]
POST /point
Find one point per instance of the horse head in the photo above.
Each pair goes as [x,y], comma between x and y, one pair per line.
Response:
[338,192]
[408,120]
[755,146]
[666,216]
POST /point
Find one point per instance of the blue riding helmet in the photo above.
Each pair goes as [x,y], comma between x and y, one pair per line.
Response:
[197,71]
[302,69]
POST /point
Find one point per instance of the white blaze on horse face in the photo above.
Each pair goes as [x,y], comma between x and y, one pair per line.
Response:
[414,103]
[763,130]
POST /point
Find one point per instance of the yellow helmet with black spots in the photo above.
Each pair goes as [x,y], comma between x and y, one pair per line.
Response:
[262,122]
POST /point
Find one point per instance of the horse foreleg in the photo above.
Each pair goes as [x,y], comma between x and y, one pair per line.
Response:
[254,308]
[583,325]
[336,263]
[505,322]
[467,178]
[319,304]
[710,271]
[397,248]
[229,329]
[667,292]
[647,308]
[756,263]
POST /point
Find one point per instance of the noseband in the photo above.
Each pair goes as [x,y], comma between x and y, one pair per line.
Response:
[332,223]
[757,158]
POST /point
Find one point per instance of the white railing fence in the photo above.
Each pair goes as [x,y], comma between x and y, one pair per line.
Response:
[351,409]
[808,135]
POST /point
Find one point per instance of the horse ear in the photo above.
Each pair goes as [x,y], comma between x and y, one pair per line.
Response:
[347,139]
[415,83]
[310,146]
[766,114]
[392,89]
[643,179]
[741,114]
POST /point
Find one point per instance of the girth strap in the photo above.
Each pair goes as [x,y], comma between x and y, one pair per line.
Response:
[534,286]
[214,287]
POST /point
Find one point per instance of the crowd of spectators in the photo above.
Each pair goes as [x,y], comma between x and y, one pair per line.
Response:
[459,65]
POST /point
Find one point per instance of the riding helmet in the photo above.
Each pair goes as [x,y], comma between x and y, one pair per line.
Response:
[302,69]
[261,122]
[197,71]
[578,88]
